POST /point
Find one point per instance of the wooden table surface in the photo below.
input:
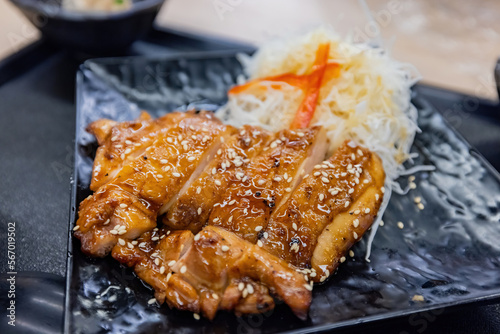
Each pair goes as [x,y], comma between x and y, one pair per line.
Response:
[453,43]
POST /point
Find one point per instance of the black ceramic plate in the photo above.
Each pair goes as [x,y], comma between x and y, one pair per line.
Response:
[449,252]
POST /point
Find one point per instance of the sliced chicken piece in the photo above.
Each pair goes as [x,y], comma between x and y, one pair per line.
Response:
[329,211]
[121,142]
[215,270]
[192,208]
[218,259]
[150,257]
[268,181]
[128,205]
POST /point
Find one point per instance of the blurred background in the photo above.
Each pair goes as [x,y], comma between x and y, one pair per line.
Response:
[453,43]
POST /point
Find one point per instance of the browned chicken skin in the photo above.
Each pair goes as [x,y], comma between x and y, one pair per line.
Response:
[128,205]
[193,207]
[267,181]
[213,270]
[247,215]
[330,210]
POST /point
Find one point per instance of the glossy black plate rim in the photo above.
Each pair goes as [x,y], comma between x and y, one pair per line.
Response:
[417,101]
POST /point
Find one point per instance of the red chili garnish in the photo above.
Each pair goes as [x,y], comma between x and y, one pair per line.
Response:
[310,84]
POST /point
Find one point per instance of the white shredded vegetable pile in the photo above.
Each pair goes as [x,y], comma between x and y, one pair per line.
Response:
[368,102]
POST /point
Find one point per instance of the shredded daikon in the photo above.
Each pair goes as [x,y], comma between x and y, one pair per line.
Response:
[368,102]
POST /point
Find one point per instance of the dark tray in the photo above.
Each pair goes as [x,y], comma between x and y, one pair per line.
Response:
[448,252]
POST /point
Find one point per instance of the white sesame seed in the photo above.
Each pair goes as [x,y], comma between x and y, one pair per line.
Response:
[316,174]
[159,176]
[321,197]
[230,219]
[241,286]
[382,190]
[190,159]
[353,156]
[216,219]
[168,277]
[157,261]
[418,298]
[244,294]
[127,151]
[377,196]
[143,244]
[261,182]
[244,178]
[123,205]
[76,228]
[411,178]
[183,269]
[155,238]
[231,202]
[273,145]
[121,241]
[381,223]
[250,288]
[170,140]
[258,228]
[171,263]
[225,248]
[323,278]
[342,259]
[215,296]
[217,182]
[401,225]
[277,178]
[122,232]
[351,191]
[118,146]
[162,269]
[197,237]
[198,190]
[259,243]
[420,206]
[115,138]
[107,222]
[176,174]
[413,185]
[196,316]
[164,161]
[351,253]
[367,210]
[355,235]
[357,212]
[214,170]
[325,180]
[113,232]
[355,222]
[333,191]
[308,287]
[417,199]
[347,204]
[288,190]
[266,235]
[300,134]
[294,226]
[151,301]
